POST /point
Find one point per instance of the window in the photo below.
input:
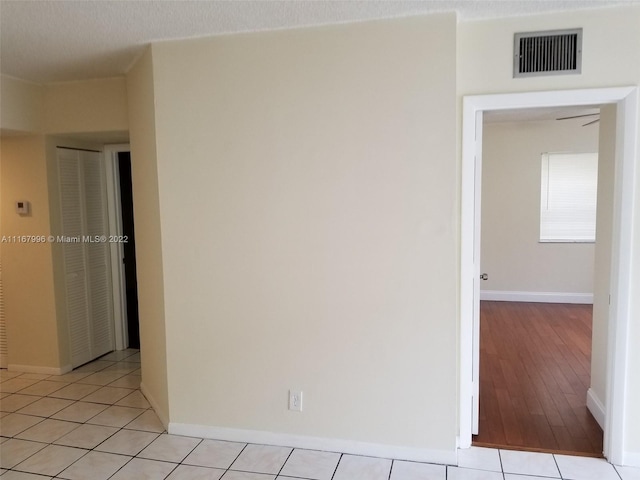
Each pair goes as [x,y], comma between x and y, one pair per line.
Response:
[568,197]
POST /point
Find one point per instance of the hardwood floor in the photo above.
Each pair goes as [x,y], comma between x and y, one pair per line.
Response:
[534,375]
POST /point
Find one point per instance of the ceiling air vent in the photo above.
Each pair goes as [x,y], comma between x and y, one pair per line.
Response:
[554,52]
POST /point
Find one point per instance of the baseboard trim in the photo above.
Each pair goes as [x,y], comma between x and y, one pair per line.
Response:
[315,443]
[38,369]
[538,297]
[631,459]
[162,416]
[596,407]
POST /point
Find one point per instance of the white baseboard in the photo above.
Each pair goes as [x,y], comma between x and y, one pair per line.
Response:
[631,459]
[37,369]
[315,443]
[539,297]
[596,407]
[162,415]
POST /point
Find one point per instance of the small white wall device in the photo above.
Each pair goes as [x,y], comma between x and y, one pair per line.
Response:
[22,207]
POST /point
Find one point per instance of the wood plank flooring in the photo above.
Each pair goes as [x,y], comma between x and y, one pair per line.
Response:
[534,375]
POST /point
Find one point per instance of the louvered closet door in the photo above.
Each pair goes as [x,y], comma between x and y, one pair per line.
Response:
[87,282]
[71,201]
[97,254]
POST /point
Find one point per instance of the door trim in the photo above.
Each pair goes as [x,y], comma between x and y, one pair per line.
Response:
[626,99]
[117,253]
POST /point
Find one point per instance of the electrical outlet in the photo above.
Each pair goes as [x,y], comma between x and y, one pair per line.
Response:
[295,400]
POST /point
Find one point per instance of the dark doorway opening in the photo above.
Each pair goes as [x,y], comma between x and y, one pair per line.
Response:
[129,260]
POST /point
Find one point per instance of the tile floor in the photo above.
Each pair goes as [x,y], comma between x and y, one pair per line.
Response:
[94,424]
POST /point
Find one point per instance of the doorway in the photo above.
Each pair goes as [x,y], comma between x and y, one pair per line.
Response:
[129,249]
[123,248]
[536,296]
[474,106]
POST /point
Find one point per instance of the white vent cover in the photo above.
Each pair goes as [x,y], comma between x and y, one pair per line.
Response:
[553,52]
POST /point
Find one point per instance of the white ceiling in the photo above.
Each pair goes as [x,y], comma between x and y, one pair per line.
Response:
[62,40]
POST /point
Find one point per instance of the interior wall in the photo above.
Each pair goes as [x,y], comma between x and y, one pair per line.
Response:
[149,261]
[511,253]
[87,106]
[20,105]
[307,188]
[485,67]
[27,266]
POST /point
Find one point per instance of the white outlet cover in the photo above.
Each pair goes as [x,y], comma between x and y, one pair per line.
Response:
[295,400]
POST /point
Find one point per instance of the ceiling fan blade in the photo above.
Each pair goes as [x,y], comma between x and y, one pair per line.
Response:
[592,122]
[578,116]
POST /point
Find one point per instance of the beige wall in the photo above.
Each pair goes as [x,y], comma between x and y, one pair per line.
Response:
[87,106]
[20,105]
[485,66]
[511,253]
[92,106]
[27,267]
[307,188]
[150,272]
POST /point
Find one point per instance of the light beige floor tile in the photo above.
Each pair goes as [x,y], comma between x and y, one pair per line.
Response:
[43,387]
[456,473]
[261,459]
[230,475]
[127,442]
[116,416]
[188,472]
[170,448]
[15,401]
[95,466]
[16,384]
[529,463]
[6,374]
[47,431]
[45,407]
[51,460]
[14,451]
[352,467]
[123,368]
[75,391]
[101,378]
[13,475]
[148,421]
[15,423]
[628,473]
[70,377]
[94,366]
[141,469]
[134,358]
[585,468]
[480,458]
[86,436]
[134,399]
[116,356]
[108,395]
[35,376]
[214,453]
[311,464]
[417,471]
[80,411]
[128,381]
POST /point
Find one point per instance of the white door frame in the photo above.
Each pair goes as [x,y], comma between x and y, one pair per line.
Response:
[117,249]
[626,99]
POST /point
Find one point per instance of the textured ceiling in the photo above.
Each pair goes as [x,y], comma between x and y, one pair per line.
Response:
[63,40]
